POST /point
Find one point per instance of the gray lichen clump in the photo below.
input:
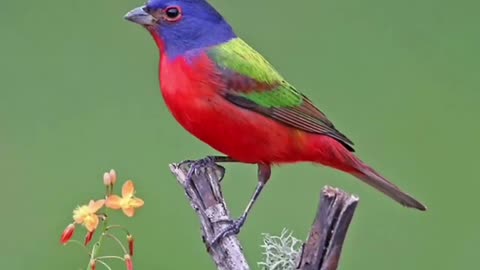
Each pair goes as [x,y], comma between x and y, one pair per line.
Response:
[281,252]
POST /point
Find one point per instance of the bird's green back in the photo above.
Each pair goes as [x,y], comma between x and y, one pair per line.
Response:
[238,56]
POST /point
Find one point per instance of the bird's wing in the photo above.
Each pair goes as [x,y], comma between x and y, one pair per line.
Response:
[252,83]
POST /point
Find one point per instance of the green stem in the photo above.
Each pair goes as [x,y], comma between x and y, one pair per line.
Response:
[118,242]
[110,257]
[104,230]
[120,227]
[92,255]
[104,264]
[96,248]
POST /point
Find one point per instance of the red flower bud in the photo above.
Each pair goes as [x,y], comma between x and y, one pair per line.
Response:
[128,262]
[93,264]
[67,234]
[89,237]
[131,243]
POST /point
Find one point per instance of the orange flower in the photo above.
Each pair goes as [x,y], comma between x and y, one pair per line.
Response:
[86,214]
[127,202]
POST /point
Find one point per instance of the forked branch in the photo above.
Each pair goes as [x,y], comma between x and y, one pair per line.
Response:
[324,244]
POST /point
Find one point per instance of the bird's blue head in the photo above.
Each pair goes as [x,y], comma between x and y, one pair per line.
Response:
[179,26]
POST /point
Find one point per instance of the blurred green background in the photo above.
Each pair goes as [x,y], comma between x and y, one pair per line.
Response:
[79,95]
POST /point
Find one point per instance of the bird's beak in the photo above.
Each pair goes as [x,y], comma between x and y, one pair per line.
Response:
[140,16]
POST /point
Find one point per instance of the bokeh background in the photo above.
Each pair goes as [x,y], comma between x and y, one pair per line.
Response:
[79,95]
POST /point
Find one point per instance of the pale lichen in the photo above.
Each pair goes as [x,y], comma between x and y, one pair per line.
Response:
[280,252]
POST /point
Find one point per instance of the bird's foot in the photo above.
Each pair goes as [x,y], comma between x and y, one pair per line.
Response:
[232,229]
[195,165]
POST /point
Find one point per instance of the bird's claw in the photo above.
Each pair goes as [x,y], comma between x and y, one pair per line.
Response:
[206,162]
[232,229]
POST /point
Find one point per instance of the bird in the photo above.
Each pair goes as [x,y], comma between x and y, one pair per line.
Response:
[229,96]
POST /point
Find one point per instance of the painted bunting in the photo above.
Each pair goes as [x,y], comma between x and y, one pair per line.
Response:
[226,94]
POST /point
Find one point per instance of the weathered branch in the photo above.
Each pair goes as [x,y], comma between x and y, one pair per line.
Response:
[324,245]
[206,198]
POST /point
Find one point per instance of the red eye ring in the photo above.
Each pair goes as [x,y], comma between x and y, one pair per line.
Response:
[172,13]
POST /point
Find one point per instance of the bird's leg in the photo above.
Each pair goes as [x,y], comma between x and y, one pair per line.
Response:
[208,162]
[264,172]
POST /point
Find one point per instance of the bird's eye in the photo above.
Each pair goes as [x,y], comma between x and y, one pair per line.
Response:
[173,13]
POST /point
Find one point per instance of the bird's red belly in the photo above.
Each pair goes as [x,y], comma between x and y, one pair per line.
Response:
[241,134]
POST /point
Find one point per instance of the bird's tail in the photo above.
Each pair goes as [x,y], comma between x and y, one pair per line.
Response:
[374,179]
[333,154]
